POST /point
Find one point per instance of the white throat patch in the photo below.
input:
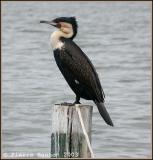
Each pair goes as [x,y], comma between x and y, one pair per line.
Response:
[65,31]
[55,40]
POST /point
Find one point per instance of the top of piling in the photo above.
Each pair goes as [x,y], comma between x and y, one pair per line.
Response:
[72,105]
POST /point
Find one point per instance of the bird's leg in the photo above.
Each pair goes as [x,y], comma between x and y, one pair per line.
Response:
[77,100]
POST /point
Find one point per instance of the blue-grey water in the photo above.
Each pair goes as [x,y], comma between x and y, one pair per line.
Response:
[116,36]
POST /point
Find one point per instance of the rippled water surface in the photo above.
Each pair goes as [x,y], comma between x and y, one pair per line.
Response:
[116,36]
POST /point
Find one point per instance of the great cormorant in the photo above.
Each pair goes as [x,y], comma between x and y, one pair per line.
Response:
[75,66]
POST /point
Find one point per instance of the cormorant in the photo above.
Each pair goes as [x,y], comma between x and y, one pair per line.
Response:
[75,66]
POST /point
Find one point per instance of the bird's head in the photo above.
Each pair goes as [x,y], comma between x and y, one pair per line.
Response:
[67,25]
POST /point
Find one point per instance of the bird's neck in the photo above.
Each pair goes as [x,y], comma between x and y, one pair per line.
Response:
[56,43]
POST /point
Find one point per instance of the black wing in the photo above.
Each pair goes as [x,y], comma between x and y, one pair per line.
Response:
[81,67]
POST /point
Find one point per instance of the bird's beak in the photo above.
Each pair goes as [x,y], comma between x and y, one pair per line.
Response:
[50,23]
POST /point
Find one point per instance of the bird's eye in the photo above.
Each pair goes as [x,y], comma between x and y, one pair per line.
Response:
[58,25]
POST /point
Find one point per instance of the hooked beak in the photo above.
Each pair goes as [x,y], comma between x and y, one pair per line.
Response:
[50,23]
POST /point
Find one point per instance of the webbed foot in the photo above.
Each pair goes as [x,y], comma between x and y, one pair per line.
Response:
[67,104]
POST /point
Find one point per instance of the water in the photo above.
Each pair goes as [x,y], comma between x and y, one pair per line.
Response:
[117,38]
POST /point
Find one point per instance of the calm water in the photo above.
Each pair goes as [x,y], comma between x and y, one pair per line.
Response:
[117,38]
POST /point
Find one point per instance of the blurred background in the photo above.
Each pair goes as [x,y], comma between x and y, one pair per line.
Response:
[116,36]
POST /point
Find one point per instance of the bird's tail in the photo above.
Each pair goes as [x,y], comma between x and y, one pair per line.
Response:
[103,112]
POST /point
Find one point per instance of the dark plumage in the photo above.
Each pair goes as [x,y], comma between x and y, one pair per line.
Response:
[77,69]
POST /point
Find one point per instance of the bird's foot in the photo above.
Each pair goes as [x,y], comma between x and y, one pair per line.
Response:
[70,104]
[76,103]
[67,104]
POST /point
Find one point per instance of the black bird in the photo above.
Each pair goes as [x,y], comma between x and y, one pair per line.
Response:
[75,66]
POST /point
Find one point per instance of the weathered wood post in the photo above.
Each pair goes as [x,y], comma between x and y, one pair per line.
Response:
[67,137]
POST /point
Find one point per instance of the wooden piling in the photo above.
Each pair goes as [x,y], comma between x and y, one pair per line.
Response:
[67,137]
